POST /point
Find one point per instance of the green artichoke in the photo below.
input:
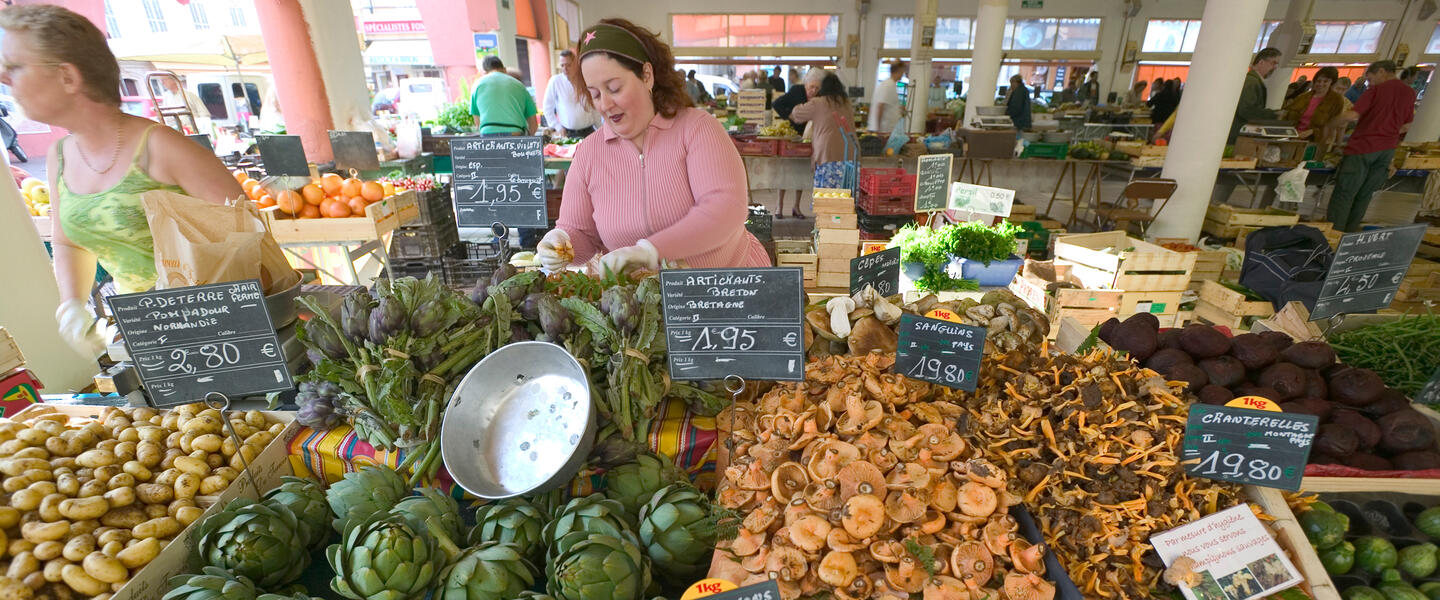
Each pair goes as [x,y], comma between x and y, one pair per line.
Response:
[487,571]
[259,541]
[384,559]
[363,494]
[593,514]
[213,583]
[599,566]
[305,498]
[532,595]
[676,532]
[514,521]
[296,596]
[632,484]
[430,505]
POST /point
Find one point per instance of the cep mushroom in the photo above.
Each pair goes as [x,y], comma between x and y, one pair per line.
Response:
[839,308]
[870,335]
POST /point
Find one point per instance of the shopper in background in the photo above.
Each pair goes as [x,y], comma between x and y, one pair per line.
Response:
[500,103]
[1253,95]
[1383,113]
[660,180]
[1297,87]
[1017,103]
[1314,110]
[1090,91]
[1156,86]
[1354,92]
[61,72]
[1136,96]
[696,88]
[796,96]
[832,123]
[776,83]
[1164,102]
[885,107]
[565,109]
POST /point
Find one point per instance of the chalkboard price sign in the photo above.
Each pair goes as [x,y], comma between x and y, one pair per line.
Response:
[499,179]
[932,182]
[940,352]
[1430,394]
[1367,270]
[746,322]
[769,590]
[1248,446]
[880,270]
[354,150]
[187,342]
[283,155]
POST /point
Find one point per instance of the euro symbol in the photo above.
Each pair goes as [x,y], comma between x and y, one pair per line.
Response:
[268,350]
[790,339]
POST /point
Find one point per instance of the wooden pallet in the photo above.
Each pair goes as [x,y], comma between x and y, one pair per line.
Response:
[380,218]
[1114,260]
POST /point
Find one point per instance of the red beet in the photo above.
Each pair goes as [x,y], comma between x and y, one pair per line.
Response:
[1367,430]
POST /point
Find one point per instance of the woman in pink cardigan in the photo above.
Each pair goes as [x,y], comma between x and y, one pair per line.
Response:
[661,180]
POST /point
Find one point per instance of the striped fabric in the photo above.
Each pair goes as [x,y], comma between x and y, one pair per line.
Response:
[686,194]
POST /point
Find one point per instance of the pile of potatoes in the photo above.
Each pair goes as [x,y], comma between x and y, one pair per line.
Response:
[87,503]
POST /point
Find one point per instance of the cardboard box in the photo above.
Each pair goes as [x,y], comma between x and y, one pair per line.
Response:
[18,390]
[849,237]
[1271,152]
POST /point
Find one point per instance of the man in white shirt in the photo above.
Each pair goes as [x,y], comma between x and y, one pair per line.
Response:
[885,106]
[564,110]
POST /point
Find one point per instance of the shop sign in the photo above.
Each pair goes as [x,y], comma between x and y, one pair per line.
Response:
[1248,446]
[392,27]
[1231,555]
[880,270]
[486,44]
[187,342]
[940,352]
[743,322]
[1367,270]
[979,199]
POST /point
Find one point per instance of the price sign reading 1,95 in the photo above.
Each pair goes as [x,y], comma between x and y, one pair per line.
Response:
[499,179]
[745,322]
[940,352]
[1248,446]
[1367,270]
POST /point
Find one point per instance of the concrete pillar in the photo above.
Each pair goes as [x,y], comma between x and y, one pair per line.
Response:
[299,83]
[28,311]
[920,54]
[505,13]
[1286,39]
[1217,72]
[450,41]
[1426,126]
[985,59]
[336,45]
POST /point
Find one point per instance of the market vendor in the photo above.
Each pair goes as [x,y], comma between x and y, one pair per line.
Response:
[661,180]
[60,70]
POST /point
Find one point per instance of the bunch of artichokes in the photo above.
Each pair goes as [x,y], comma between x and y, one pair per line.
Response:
[384,559]
[515,521]
[305,498]
[262,542]
[363,494]
[633,483]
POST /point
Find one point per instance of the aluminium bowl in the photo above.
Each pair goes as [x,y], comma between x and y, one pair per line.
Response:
[520,422]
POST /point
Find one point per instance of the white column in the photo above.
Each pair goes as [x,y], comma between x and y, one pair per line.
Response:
[1202,122]
[28,311]
[342,67]
[505,13]
[1286,39]
[1426,126]
[920,55]
[985,60]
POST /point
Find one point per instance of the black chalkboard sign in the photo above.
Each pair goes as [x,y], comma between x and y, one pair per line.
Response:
[354,150]
[283,155]
[746,322]
[1367,270]
[940,352]
[499,180]
[187,342]
[768,590]
[203,140]
[1430,394]
[932,182]
[1248,446]
[880,270]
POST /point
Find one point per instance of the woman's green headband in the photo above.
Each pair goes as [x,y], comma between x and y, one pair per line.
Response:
[615,40]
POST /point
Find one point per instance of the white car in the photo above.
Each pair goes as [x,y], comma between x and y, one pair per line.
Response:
[424,96]
[719,87]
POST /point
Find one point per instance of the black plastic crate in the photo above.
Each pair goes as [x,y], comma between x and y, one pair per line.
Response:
[417,268]
[428,241]
[435,206]
[761,224]
[881,223]
[468,262]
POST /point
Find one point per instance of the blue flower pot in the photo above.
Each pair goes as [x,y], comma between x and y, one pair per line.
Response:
[996,274]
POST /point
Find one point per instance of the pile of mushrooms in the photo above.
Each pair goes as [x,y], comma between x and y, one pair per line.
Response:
[866,322]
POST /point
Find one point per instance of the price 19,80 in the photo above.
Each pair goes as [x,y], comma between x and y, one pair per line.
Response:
[1234,464]
[936,370]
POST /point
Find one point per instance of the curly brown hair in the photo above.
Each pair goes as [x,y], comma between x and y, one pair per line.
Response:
[669,92]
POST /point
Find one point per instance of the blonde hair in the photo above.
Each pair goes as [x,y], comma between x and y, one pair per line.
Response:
[64,36]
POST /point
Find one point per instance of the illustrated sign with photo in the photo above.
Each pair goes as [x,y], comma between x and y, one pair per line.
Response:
[1226,556]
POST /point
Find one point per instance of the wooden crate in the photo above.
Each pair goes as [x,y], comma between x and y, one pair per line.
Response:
[1412,288]
[834,265]
[794,247]
[1389,484]
[1233,302]
[1087,307]
[832,280]
[1290,152]
[1157,303]
[1130,264]
[10,356]
[1239,162]
[834,206]
[1224,220]
[1419,162]
[1210,314]
[849,237]
[380,218]
[837,221]
[1291,537]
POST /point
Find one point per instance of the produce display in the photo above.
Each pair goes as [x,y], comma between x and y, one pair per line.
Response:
[1403,352]
[780,128]
[1364,424]
[36,195]
[92,501]
[421,183]
[866,322]
[1375,548]
[933,250]
[330,196]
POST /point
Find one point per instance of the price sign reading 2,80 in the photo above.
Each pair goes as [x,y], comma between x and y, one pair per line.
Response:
[212,356]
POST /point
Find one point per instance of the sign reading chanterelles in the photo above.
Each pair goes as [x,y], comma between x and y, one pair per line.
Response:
[745,322]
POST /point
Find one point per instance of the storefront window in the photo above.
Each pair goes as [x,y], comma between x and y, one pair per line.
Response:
[1180,35]
[700,31]
[1347,37]
[1434,46]
[1078,34]
[951,33]
[756,30]
[812,31]
[898,32]
[741,31]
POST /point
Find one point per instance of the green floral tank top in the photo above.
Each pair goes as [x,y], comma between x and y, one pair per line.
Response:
[111,224]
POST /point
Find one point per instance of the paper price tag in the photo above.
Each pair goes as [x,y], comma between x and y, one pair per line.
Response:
[981,199]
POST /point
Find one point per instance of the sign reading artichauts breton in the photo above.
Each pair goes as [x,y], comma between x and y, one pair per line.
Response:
[187,342]
[499,179]
[745,322]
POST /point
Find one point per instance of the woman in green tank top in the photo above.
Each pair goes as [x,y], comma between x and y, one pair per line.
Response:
[62,73]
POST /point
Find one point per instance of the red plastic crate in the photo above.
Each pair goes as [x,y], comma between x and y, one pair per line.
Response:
[796,149]
[887,182]
[753,147]
[876,237]
[887,205]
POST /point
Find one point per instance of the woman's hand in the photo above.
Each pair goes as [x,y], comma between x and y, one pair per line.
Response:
[643,253]
[78,327]
[554,250]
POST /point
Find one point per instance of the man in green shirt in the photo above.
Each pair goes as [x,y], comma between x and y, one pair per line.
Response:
[500,103]
[1253,96]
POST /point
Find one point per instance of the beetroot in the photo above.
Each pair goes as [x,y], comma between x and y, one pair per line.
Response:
[1203,341]
[1417,460]
[1369,462]
[1315,385]
[1311,355]
[1389,402]
[1166,359]
[1336,440]
[1309,406]
[1250,389]
[1193,376]
[1223,370]
[1285,378]
[1322,459]
[1216,395]
[1367,430]
[1170,338]
[1107,330]
[1137,336]
[1356,387]
[1253,351]
[1406,431]
[1279,340]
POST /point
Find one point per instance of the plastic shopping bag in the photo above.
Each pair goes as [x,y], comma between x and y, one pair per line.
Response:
[1290,188]
[899,136]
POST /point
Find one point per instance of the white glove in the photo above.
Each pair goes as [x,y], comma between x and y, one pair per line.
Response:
[643,253]
[554,250]
[78,328]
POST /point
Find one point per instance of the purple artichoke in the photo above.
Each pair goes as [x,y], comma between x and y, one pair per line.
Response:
[503,272]
[325,339]
[428,318]
[388,319]
[518,333]
[355,315]
[481,291]
[620,305]
[555,319]
[530,307]
[318,412]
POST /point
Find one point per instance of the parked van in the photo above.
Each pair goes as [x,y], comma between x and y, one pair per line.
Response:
[217,92]
[424,96]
